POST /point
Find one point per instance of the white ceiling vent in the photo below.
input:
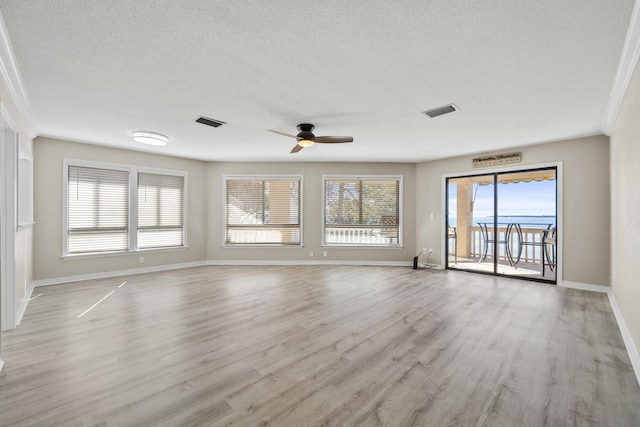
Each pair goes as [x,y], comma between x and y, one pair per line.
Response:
[445,109]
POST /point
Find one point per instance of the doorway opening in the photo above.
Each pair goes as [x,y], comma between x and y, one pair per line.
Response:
[504,223]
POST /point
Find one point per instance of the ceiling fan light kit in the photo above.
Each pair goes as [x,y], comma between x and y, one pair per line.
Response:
[149,138]
[306,138]
[304,143]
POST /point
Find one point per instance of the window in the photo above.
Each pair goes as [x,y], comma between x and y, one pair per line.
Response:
[160,210]
[362,211]
[98,210]
[119,208]
[263,210]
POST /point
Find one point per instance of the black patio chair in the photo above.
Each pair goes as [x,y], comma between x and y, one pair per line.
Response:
[522,243]
[488,238]
[549,242]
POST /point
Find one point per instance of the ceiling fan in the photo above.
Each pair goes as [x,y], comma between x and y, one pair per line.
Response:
[306,138]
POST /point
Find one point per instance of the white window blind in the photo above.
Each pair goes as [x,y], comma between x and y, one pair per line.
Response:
[263,210]
[160,210]
[98,210]
[362,211]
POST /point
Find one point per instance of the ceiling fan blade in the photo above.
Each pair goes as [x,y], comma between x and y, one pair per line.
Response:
[295,149]
[282,133]
[333,139]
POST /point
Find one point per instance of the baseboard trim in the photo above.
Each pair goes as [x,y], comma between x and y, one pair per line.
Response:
[23,305]
[632,349]
[584,286]
[310,262]
[115,273]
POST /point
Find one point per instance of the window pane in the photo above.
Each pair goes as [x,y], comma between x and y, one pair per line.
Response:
[160,210]
[97,210]
[263,211]
[362,212]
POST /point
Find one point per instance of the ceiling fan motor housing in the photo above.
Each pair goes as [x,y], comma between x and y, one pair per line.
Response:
[306,130]
[306,135]
[306,127]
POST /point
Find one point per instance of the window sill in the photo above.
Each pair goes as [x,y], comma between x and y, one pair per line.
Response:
[24,225]
[360,246]
[260,246]
[116,254]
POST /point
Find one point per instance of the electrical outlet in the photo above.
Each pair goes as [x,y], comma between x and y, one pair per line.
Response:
[324,254]
[424,250]
[430,251]
[310,253]
[141,260]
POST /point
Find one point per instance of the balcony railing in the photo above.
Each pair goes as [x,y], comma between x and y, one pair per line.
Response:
[530,253]
[362,235]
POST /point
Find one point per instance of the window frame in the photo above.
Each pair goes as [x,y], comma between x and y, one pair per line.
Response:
[261,177]
[133,170]
[398,178]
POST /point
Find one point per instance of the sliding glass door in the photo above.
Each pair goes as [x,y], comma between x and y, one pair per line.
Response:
[503,223]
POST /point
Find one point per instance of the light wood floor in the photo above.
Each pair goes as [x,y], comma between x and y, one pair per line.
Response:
[317,346]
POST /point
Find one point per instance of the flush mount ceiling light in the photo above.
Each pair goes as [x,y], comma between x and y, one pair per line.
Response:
[149,138]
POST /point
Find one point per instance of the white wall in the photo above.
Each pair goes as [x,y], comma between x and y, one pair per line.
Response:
[586,202]
[312,213]
[48,189]
[625,208]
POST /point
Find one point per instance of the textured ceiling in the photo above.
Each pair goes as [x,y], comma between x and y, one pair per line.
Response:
[521,72]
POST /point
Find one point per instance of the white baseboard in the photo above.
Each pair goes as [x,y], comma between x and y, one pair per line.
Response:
[115,273]
[431,266]
[310,262]
[632,349]
[23,305]
[584,286]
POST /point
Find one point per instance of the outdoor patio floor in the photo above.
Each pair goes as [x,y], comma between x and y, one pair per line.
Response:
[521,270]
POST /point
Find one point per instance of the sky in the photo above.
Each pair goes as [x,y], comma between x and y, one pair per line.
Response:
[524,198]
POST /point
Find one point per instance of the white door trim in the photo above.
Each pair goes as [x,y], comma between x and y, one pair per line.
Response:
[8,220]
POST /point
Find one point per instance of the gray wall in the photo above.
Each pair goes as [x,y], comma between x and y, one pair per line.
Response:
[205,212]
[625,208]
[586,203]
[586,208]
[312,212]
[48,190]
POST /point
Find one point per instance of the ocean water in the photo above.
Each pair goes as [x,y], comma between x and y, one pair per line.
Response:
[524,221]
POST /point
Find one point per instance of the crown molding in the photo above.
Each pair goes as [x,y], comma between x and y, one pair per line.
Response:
[626,67]
[12,81]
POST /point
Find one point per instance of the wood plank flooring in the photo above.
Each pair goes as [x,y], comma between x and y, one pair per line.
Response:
[316,346]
